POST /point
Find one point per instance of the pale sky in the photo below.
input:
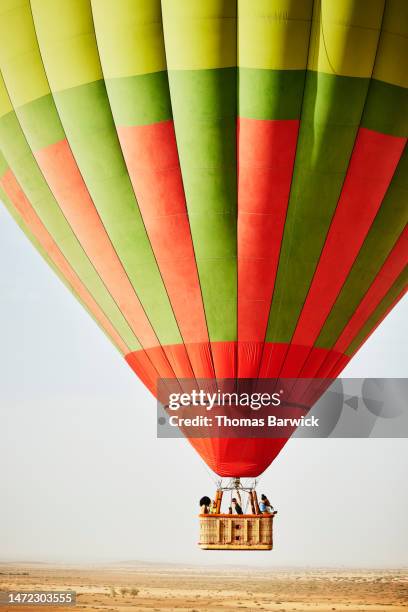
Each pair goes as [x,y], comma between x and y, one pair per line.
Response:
[83,476]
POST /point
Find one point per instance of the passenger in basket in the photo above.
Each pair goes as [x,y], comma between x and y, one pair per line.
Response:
[265,506]
[204,504]
[213,507]
[236,507]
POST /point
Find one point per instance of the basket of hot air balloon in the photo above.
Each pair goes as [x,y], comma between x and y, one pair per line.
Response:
[244,530]
[233,533]
[222,184]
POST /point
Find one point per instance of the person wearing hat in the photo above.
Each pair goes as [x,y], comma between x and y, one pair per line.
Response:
[204,504]
[265,506]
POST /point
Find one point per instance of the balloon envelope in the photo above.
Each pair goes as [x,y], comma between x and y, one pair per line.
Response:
[222,184]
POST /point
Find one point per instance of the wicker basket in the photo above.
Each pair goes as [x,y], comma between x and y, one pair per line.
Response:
[236,532]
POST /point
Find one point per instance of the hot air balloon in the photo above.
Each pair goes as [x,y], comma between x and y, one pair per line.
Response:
[222,184]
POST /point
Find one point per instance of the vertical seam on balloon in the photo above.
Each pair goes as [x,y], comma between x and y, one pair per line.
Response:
[351,268]
[361,247]
[290,192]
[79,170]
[137,204]
[367,236]
[346,279]
[338,200]
[215,441]
[288,197]
[185,201]
[341,189]
[370,314]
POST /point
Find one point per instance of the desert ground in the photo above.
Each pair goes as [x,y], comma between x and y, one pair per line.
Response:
[166,588]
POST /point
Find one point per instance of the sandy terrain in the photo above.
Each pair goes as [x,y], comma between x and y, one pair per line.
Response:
[125,587]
